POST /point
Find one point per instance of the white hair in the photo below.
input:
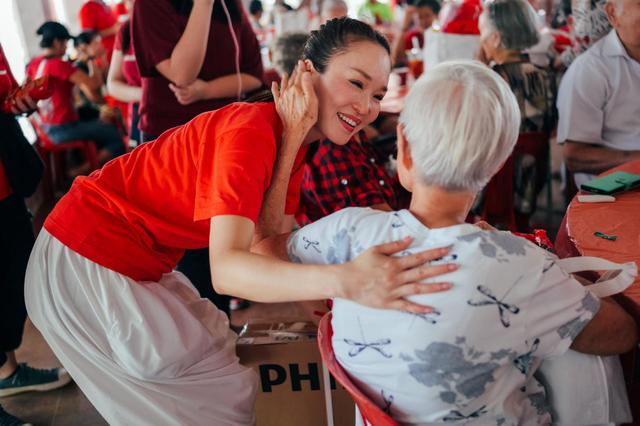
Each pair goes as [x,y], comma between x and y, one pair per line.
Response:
[461,121]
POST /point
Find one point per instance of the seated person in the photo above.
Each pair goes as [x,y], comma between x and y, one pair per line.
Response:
[507,29]
[59,117]
[255,14]
[511,305]
[599,111]
[339,176]
[417,19]
[89,48]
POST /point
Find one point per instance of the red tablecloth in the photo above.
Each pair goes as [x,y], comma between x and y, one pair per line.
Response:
[621,218]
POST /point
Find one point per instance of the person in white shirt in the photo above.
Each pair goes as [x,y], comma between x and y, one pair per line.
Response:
[473,356]
[599,98]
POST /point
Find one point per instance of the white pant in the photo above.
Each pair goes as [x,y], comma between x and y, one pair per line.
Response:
[144,353]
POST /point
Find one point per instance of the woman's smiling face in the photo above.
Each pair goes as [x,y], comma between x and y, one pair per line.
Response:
[350,90]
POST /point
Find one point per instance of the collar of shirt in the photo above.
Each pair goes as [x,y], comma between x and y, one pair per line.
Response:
[613,46]
[419,230]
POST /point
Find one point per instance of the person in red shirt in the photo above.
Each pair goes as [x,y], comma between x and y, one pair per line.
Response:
[417,19]
[58,114]
[124,81]
[97,16]
[133,333]
[16,242]
[187,59]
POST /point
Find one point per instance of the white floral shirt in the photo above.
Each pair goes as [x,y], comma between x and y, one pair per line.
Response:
[472,360]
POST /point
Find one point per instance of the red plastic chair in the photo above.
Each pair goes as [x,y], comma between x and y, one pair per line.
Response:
[370,412]
[498,194]
[50,150]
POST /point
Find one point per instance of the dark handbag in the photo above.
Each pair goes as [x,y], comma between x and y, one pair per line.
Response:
[22,163]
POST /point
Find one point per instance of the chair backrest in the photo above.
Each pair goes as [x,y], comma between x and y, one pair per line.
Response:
[43,139]
[371,413]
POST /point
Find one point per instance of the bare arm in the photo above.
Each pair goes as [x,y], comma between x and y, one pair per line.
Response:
[116,83]
[185,62]
[373,278]
[588,158]
[221,87]
[90,84]
[109,31]
[611,331]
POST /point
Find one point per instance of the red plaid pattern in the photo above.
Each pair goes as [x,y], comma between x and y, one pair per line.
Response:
[352,175]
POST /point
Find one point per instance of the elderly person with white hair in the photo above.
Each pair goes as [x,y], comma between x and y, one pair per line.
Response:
[507,29]
[511,304]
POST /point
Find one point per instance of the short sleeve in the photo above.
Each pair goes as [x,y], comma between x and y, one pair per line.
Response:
[581,102]
[559,310]
[60,69]
[233,173]
[155,32]
[326,241]
[96,17]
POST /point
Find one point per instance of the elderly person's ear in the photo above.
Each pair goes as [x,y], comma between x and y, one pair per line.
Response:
[405,162]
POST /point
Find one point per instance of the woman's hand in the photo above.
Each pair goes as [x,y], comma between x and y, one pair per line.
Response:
[296,102]
[377,279]
[23,104]
[191,93]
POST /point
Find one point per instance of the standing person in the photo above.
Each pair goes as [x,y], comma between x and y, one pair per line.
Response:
[187,59]
[124,82]
[59,117]
[97,16]
[16,242]
[132,332]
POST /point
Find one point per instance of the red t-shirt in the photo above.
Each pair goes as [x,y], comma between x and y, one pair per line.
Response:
[7,84]
[58,109]
[129,65]
[156,28]
[408,38]
[97,16]
[140,212]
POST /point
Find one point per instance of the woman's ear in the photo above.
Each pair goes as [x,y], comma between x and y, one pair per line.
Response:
[309,66]
[405,162]
[495,40]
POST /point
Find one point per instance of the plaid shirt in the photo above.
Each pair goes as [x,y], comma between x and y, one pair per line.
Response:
[351,175]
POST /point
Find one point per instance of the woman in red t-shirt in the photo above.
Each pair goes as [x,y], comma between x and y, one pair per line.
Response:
[133,333]
[58,114]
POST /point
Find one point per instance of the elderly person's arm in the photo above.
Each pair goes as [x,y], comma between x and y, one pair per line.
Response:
[612,331]
[581,157]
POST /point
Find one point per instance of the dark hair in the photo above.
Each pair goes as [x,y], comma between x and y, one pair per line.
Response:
[183,7]
[255,6]
[51,31]
[431,4]
[335,36]
[332,38]
[287,50]
[84,37]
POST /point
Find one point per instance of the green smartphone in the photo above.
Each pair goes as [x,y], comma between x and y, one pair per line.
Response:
[612,184]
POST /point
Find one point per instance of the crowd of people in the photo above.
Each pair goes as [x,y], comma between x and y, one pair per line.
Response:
[244,156]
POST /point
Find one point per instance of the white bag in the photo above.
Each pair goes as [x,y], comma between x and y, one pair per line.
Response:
[588,389]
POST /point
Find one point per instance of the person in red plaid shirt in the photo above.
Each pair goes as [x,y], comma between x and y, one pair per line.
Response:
[351,175]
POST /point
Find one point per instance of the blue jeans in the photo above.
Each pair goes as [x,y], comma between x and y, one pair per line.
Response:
[104,135]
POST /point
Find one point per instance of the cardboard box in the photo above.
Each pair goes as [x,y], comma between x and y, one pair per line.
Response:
[287,360]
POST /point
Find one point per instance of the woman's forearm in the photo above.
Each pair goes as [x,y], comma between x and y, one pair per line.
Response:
[227,86]
[272,213]
[272,280]
[188,55]
[123,92]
